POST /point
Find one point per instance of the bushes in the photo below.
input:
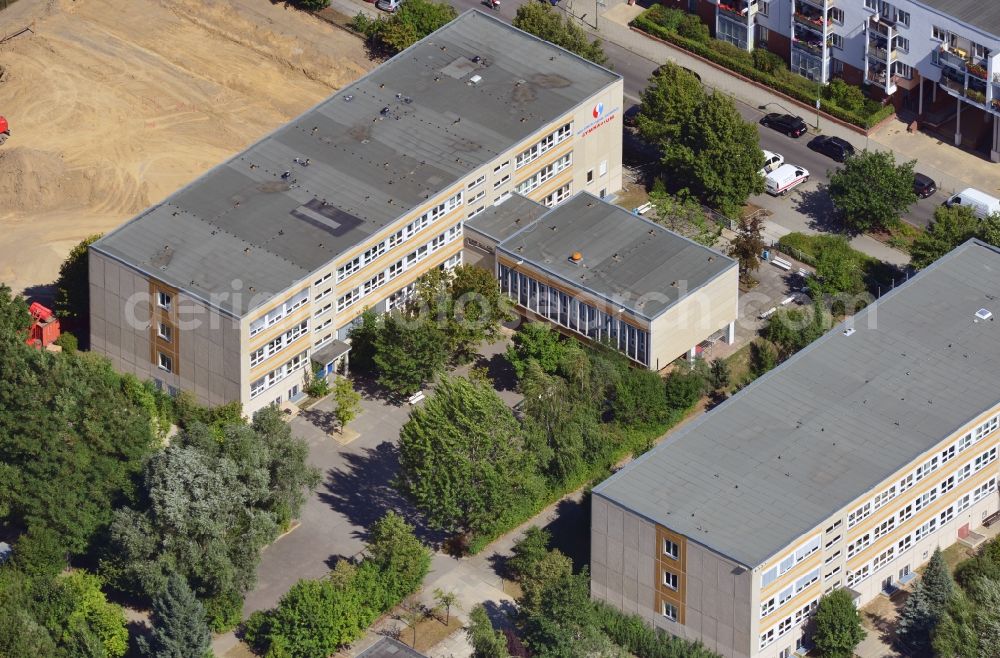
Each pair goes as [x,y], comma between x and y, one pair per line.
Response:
[637,637]
[316,617]
[666,24]
[767,62]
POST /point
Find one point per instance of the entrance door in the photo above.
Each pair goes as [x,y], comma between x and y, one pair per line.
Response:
[293,392]
[887,584]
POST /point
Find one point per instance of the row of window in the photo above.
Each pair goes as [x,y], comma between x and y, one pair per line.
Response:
[279,343]
[889,12]
[941,34]
[932,524]
[968,439]
[788,623]
[270,379]
[575,314]
[532,153]
[557,197]
[544,174]
[400,266]
[789,561]
[400,236]
[785,595]
[280,311]
[926,498]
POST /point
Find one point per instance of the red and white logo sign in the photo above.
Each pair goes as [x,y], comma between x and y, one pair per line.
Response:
[598,110]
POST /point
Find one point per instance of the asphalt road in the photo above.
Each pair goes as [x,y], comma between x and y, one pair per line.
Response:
[809,199]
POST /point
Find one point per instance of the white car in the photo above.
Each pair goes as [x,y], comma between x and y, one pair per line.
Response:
[784,178]
[771,162]
[388,5]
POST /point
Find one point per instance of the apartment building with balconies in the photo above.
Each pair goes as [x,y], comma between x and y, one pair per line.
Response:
[937,59]
[845,467]
[236,285]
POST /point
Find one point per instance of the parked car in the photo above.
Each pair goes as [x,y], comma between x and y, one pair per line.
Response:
[785,123]
[660,68]
[982,204]
[631,116]
[388,5]
[923,186]
[835,147]
[771,162]
[785,178]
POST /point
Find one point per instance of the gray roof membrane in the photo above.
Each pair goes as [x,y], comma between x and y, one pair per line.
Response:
[501,221]
[833,422]
[629,260]
[357,162]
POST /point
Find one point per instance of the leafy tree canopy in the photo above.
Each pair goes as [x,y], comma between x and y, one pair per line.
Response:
[462,457]
[179,628]
[538,341]
[837,628]
[409,352]
[668,101]
[542,20]
[949,228]
[872,191]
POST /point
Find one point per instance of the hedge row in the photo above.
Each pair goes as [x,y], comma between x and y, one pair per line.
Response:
[638,638]
[643,23]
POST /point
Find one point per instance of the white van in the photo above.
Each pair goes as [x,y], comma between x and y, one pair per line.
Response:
[784,178]
[981,203]
[771,162]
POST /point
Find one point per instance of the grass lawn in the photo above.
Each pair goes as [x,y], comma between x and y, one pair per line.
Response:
[739,366]
[430,631]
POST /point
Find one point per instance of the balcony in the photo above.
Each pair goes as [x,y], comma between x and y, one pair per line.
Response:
[978,71]
[736,10]
[814,48]
[957,59]
[882,54]
[948,82]
[814,22]
[819,4]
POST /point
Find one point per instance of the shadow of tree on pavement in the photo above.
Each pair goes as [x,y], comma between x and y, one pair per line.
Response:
[363,492]
[818,208]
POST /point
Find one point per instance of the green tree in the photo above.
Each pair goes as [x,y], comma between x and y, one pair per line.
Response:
[763,357]
[668,102]
[347,402]
[72,303]
[408,353]
[528,552]
[719,375]
[486,642]
[447,600]
[80,617]
[179,628]
[792,329]
[955,634]
[949,228]
[928,602]
[364,336]
[838,269]
[317,385]
[747,246]
[14,316]
[837,625]
[542,20]
[872,191]
[40,553]
[479,308]
[462,457]
[683,214]
[398,554]
[640,398]
[683,389]
[538,341]
[412,21]
[717,155]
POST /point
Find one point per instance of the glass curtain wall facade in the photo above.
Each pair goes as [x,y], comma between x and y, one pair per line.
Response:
[576,315]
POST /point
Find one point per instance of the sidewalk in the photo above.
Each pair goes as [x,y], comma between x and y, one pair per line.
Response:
[952,168]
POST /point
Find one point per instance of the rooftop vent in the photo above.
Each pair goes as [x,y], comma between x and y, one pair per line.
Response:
[849,332]
[984,314]
[576,257]
[475,80]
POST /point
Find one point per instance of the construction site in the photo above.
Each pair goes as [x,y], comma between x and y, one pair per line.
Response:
[114,104]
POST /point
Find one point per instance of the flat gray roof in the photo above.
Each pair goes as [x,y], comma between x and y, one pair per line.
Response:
[982,14]
[500,222]
[356,162]
[629,260]
[776,460]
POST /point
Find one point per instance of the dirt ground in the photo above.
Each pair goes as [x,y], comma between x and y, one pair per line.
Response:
[114,104]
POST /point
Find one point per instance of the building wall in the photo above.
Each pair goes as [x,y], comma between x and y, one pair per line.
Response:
[694,318]
[713,597]
[204,346]
[836,535]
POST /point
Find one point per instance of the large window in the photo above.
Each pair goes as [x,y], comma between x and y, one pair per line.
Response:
[732,32]
[546,144]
